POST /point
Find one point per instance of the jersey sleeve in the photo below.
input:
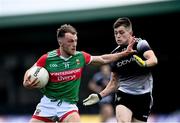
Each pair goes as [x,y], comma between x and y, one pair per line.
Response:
[87,57]
[41,61]
[143,46]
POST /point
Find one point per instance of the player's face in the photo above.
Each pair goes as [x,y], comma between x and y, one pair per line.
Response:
[69,44]
[122,35]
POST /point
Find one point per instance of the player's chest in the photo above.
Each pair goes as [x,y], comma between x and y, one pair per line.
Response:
[61,70]
[58,64]
[125,62]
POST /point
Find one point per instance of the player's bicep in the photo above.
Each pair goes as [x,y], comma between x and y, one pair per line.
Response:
[149,55]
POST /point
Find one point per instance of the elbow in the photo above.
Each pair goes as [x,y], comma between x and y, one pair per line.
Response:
[155,61]
[152,62]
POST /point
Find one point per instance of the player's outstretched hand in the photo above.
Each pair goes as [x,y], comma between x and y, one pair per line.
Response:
[139,61]
[92,99]
[130,46]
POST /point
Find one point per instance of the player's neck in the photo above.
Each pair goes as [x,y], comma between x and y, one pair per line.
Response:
[63,53]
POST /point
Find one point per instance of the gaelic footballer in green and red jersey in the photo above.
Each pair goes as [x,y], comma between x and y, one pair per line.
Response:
[65,74]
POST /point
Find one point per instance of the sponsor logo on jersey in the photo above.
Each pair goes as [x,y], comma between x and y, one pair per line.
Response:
[118,99]
[145,116]
[66,76]
[77,61]
[53,65]
[124,62]
[66,64]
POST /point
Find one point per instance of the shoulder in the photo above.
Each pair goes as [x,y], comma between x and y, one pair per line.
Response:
[78,53]
[42,60]
[142,45]
[52,53]
[116,49]
[141,42]
[87,57]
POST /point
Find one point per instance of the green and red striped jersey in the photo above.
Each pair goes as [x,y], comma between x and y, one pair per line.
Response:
[65,74]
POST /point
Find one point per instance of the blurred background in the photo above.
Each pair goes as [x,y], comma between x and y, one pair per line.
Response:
[28,30]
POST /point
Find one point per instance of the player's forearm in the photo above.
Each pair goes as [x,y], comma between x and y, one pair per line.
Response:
[110,88]
[151,59]
[151,62]
[108,58]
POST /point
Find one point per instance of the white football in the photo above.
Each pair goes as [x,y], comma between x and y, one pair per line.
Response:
[41,74]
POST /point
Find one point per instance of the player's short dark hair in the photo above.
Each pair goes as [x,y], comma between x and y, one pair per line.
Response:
[123,22]
[66,28]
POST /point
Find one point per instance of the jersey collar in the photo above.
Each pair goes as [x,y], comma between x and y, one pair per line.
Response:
[59,54]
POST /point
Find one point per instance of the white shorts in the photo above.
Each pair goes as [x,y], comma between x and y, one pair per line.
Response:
[51,108]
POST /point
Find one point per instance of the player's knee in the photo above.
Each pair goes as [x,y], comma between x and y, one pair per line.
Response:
[73,117]
[121,120]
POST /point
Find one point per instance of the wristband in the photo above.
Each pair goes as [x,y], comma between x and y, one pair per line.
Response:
[99,96]
[145,64]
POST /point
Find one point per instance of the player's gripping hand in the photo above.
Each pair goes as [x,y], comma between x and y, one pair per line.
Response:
[92,99]
[30,83]
[139,61]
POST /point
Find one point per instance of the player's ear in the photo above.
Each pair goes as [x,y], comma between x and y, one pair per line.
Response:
[59,41]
